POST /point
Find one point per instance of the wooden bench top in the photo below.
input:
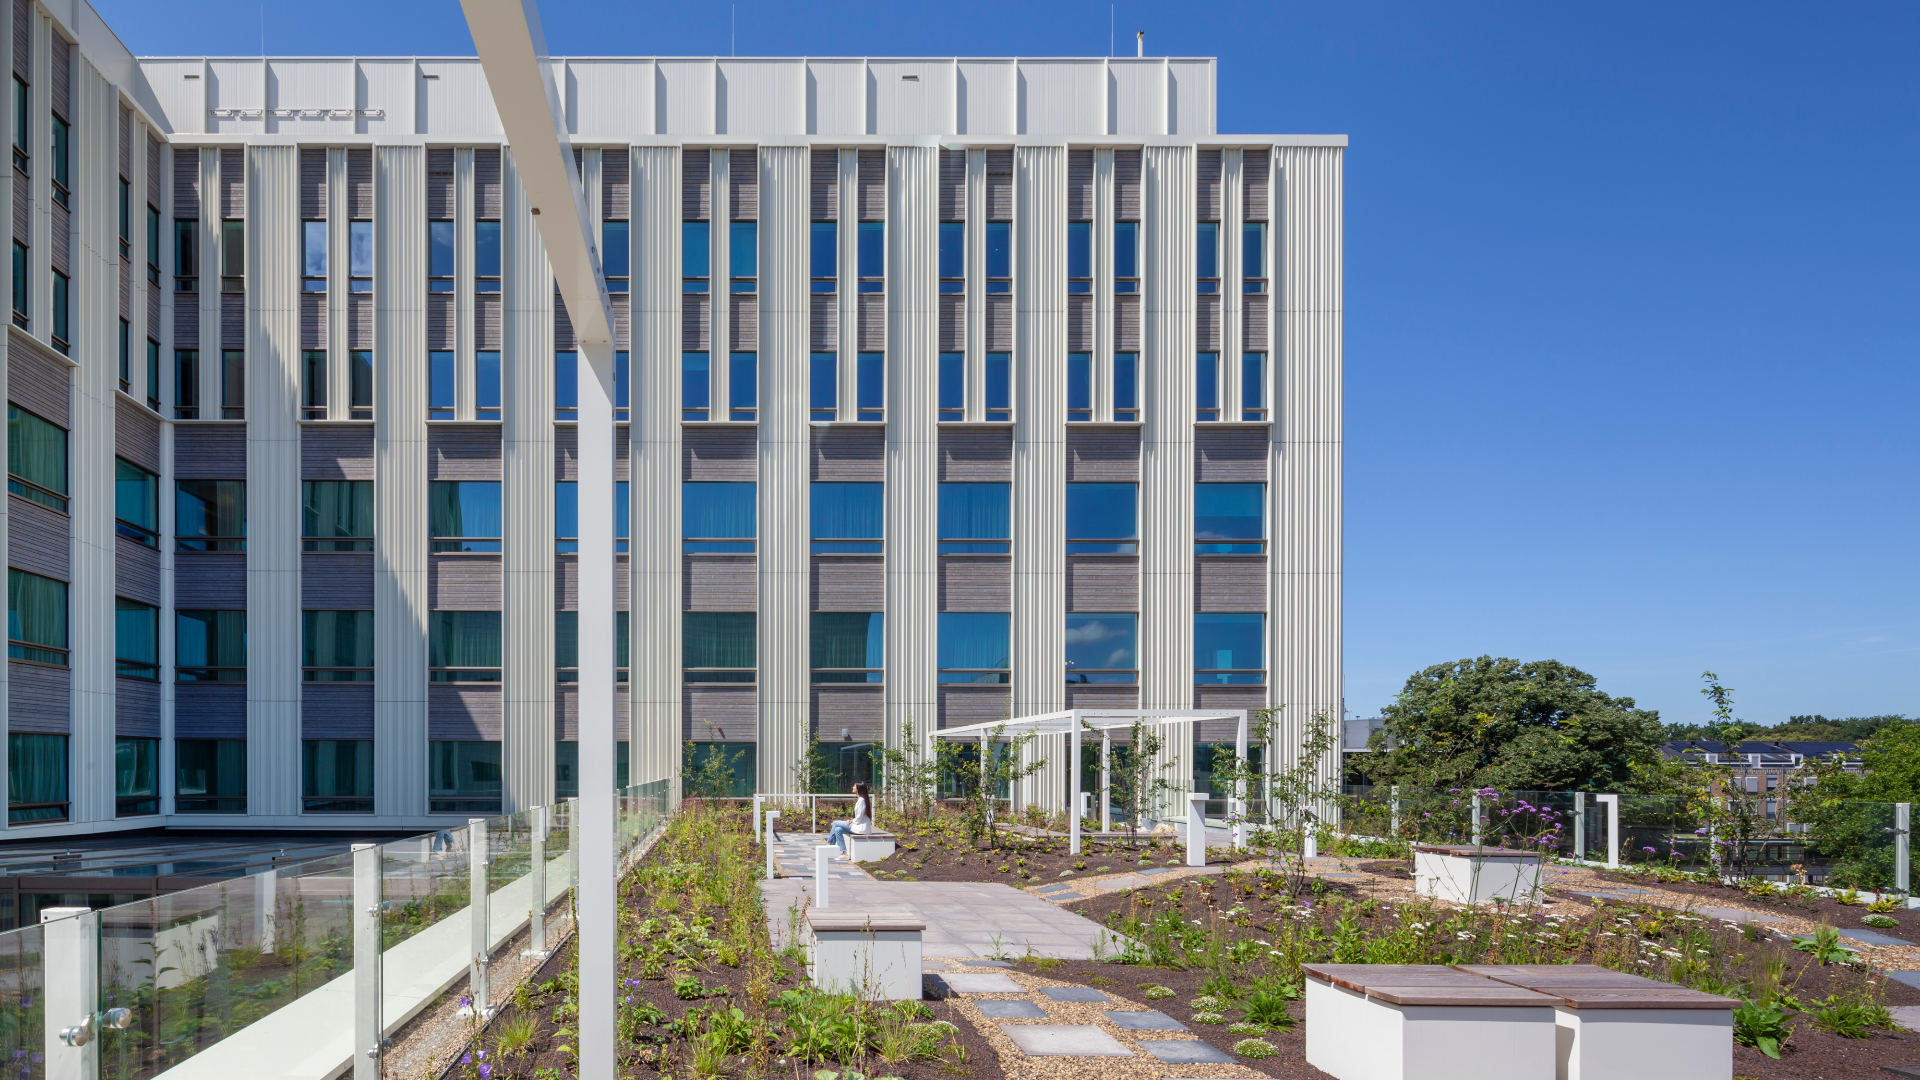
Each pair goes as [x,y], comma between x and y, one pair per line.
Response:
[1488,994]
[1538,976]
[863,919]
[1675,997]
[1423,984]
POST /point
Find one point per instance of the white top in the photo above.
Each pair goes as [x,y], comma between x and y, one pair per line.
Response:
[863,815]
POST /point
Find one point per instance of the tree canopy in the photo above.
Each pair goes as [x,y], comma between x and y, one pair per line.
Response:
[1487,722]
[1815,728]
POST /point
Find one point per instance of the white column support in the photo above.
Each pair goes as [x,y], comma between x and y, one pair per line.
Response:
[1393,811]
[757,801]
[822,857]
[478,852]
[1237,802]
[1196,828]
[368,1042]
[1612,803]
[1902,846]
[1106,781]
[537,898]
[772,816]
[1579,824]
[266,891]
[1073,804]
[1476,819]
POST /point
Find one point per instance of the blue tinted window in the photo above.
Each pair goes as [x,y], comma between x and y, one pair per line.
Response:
[823,385]
[464,515]
[566,515]
[826,249]
[614,251]
[999,389]
[440,249]
[1229,648]
[971,513]
[1079,386]
[1102,518]
[693,249]
[973,647]
[1228,512]
[953,383]
[843,512]
[718,512]
[871,383]
[1253,249]
[1079,249]
[314,249]
[1126,383]
[620,391]
[566,381]
[1206,250]
[693,380]
[440,385]
[486,381]
[743,384]
[843,643]
[953,249]
[1206,387]
[999,249]
[723,640]
[873,249]
[1126,249]
[1102,648]
[486,249]
[743,251]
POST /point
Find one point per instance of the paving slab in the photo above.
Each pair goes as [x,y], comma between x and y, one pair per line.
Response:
[1010,1010]
[1064,1040]
[1740,915]
[979,982]
[1869,937]
[1908,978]
[986,963]
[1907,1016]
[1185,1052]
[1150,1020]
[1074,993]
[963,918]
[1910,1071]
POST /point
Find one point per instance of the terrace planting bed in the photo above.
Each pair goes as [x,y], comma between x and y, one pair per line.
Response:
[941,850]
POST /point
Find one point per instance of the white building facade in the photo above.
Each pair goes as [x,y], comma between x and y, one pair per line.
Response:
[950,389]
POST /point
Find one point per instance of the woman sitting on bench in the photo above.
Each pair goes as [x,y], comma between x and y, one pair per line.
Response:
[861,824]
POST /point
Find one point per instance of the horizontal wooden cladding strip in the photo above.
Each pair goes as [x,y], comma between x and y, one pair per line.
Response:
[823,334]
[156,169]
[696,322]
[469,713]
[313,320]
[136,571]
[976,455]
[233,320]
[486,183]
[1126,185]
[872,186]
[563,340]
[621,307]
[824,191]
[1101,697]
[360,184]
[153,314]
[344,452]
[1207,194]
[953,185]
[696,185]
[215,580]
[210,711]
[999,328]
[953,323]
[964,704]
[723,713]
[999,185]
[486,321]
[360,323]
[463,452]
[136,708]
[336,710]
[616,188]
[440,316]
[23,209]
[719,582]
[37,381]
[1103,583]
[186,181]
[1230,454]
[62,233]
[210,453]
[233,183]
[1228,583]
[1256,170]
[126,291]
[39,699]
[39,540]
[743,185]
[872,332]
[1206,323]
[313,184]
[463,583]
[1079,185]
[566,711]
[1250,698]
[440,184]
[1103,454]
[847,583]
[850,454]
[976,583]
[1079,324]
[566,453]
[186,326]
[719,454]
[1253,322]
[566,583]
[331,581]
[848,714]
[743,324]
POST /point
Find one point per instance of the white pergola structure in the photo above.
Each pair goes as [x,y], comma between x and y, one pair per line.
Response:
[1073,723]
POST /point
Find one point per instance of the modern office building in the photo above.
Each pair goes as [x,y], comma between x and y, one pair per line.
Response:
[949,389]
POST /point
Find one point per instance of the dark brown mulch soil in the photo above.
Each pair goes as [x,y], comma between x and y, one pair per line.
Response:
[1024,862]
[1815,908]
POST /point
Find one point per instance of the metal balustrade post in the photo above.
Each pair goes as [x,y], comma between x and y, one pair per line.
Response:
[266,891]
[70,983]
[369,1043]
[1196,828]
[573,844]
[1393,810]
[1580,825]
[1476,819]
[1073,769]
[477,912]
[772,817]
[1612,803]
[1902,846]
[1106,781]
[757,801]
[537,905]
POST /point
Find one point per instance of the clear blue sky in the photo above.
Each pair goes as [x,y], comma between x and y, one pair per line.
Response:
[1631,299]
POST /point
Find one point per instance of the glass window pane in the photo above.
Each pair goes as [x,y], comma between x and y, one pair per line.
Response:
[1079,382]
[36,614]
[848,511]
[693,249]
[1101,643]
[999,392]
[1229,511]
[1206,251]
[314,249]
[566,380]
[440,249]
[718,510]
[718,639]
[615,252]
[36,774]
[976,511]
[463,776]
[136,636]
[1101,512]
[1253,381]
[1126,383]
[823,384]
[486,380]
[1229,641]
[974,640]
[1207,381]
[953,382]
[953,249]
[360,362]
[233,248]
[566,510]
[873,249]
[1253,249]
[486,248]
[360,248]
[825,249]
[872,381]
[464,508]
[136,495]
[841,639]
[463,639]
[205,508]
[136,768]
[999,249]
[440,381]
[37,453]
[743,382]
[336,639]
[211,639]
[743,249]
[336,508]
[335,770]
[566,639]
[693,380]
[1079,249]
[621,367]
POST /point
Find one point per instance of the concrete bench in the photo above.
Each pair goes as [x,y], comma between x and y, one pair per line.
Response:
[1465,874]
[1424,1022]
[1615,1024]
[870,847]
[873,953]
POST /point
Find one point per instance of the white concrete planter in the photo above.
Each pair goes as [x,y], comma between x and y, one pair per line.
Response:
[1432,1032]
[872,954]
[1463,874]
[1615,1024]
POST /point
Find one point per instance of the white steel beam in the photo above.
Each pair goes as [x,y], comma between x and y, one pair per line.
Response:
[513,53]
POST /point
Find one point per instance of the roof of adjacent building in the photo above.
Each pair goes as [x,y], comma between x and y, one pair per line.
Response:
[1675,747]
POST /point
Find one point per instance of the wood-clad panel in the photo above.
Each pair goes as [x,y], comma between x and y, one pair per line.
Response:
[743,324]
[620,306]
[212,580]
[37,381]
[1079,324]
[136,571]
[976,455]
[186,325]
[999,323]
[486,182]
[336,581]
[999,185]
[824,323]
[1228,583]
[360,184]
[210,711]
[136,434]
[719,583]
[336,710]
[343,452]
[719,713]
[871,335]
[463,583]
[39,698]
[1103,583]
[360,323]
[963,704]
[440,316]
[566,711]
[210,453]
[849,454]
[23,11]
[718,453]
[696,185]
[696,327]
[233,184]
[486,321]
[616,187]
[1253,321]
[872,185]
[1103,455]
[563,340]
[823,194]
[1208,201]
[976,583]
[440,187]
[1103,697]
[313,184]
[186,182]
[1250,698]
[464,713]
[953,185]
[1206,323]
[38,539]
[1126,185]
[1230,454]
[566,454]
[313,320]
[953,323]
[566,583]
[136,708]
[60,62]
[849,714]
[61,234]
[233,329]
[464,452]
[1080,185]
[743,185]
[848,583]
[1256,168]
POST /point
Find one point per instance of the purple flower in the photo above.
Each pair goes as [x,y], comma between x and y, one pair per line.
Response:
[466,1058]
[466,1002]
[486,1072]
[1648,850]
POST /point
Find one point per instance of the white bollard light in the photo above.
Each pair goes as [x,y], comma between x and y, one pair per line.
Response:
[821,855]
[772,817]
[1196,828]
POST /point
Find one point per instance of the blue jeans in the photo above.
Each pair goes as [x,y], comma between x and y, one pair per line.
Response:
[837,834]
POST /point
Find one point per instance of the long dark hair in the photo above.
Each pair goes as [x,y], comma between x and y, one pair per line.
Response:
[861,790]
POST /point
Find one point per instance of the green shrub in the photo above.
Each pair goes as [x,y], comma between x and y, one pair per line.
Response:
[1254,1048]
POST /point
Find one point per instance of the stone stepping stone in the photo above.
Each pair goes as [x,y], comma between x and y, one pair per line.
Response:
[1186,1052]
[982,982]
[1908,978]
[1150,1020]
[1074,993]
[1053,889]
[1912,1072]
[1739,915]
[1010,1010]
[1869,937]
[1907,1016]
[1064,1040]
[986,963]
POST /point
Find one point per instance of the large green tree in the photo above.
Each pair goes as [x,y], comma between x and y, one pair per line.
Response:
[1541,726]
